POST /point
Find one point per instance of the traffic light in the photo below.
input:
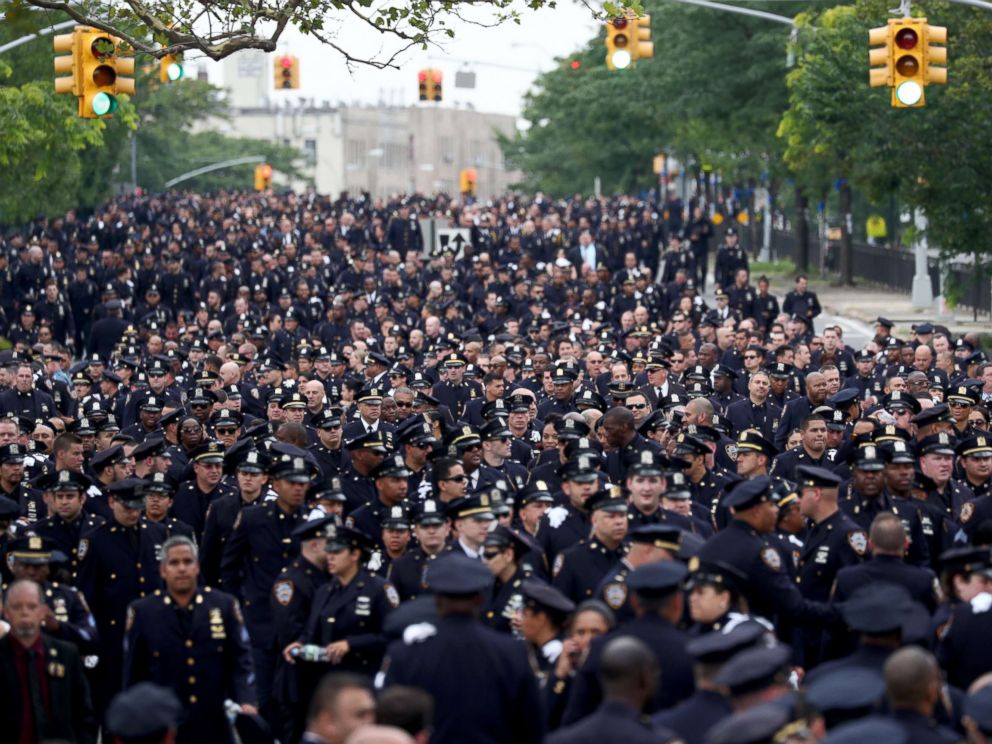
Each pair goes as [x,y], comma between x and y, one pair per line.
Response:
[904,60]
[170,69]
[429,84]
[617,44]
[287,72]
[98,71]
[627,40]
[908,62]
[263,177]
[467,181]
[436,78]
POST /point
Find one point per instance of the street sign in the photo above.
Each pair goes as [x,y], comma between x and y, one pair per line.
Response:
[451,240]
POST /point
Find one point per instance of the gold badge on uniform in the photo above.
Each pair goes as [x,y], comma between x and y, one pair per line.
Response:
[217,631]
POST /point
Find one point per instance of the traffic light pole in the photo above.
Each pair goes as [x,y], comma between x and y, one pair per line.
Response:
[749,11]
[215,166]
[36,35]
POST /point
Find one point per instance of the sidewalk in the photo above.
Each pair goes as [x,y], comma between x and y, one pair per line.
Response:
[866,303]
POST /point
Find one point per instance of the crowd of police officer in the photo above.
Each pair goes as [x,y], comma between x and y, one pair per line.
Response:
[250,440]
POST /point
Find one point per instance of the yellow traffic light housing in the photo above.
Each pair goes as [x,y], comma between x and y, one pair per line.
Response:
[436,77]
[99,72]
[263,177]
[628,39]
[286,70]
[880,57]
[903,58]
[429,84]
[468,180]
[618,56]
[170,68]
[936,56]
[643,46]
[70,64]
[908,62]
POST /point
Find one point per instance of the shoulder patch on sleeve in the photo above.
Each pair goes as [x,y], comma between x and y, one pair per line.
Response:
[283,591]
[967,511]
[237,520]
[129,620]
[771,558]
[858,541]
[615,595]
[558,565]
[731,450]
[84,546]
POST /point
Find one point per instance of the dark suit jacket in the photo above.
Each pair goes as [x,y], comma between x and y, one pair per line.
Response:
[71,712]
[575,256]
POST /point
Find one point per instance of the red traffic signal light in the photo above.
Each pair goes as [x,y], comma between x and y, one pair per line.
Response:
[907,39]
[266,171]
[422,76]
[575,64]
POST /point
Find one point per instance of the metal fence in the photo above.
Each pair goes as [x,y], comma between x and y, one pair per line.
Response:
[885,267]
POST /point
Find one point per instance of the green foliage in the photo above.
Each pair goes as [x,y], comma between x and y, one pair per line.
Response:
[934,158]
[59,161]
[712,94]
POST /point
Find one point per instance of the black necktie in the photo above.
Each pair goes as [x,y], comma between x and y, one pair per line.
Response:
[34,689]
[132,536]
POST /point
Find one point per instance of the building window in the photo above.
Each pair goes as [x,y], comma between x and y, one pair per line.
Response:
[310,149]
[394,155]
[355,153]
[446,149]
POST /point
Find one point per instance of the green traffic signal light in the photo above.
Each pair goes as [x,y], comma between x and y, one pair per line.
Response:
[104,103]
[174,71]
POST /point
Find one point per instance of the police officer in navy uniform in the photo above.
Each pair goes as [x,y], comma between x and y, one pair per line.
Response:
[503,551]
[578,570]
[192,500]
[565,524]
[480,679]
[260,544]
[431,530]
[948,500]
[348,613]
[770,591]
[160,490]
[453,392]
[69,618]
[647,543]
[329,460]
[866,499]
[657,587]
[118,563]
[695,716]
[832,542]
[67,522]
[291,601]
[14,454]
[193,641]
[223,511]
[755,411]
[389,478]
[975,459]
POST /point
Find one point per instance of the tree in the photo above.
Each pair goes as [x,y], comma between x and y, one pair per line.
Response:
[56,161]
[712,94]
[219,29]
[934,158]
